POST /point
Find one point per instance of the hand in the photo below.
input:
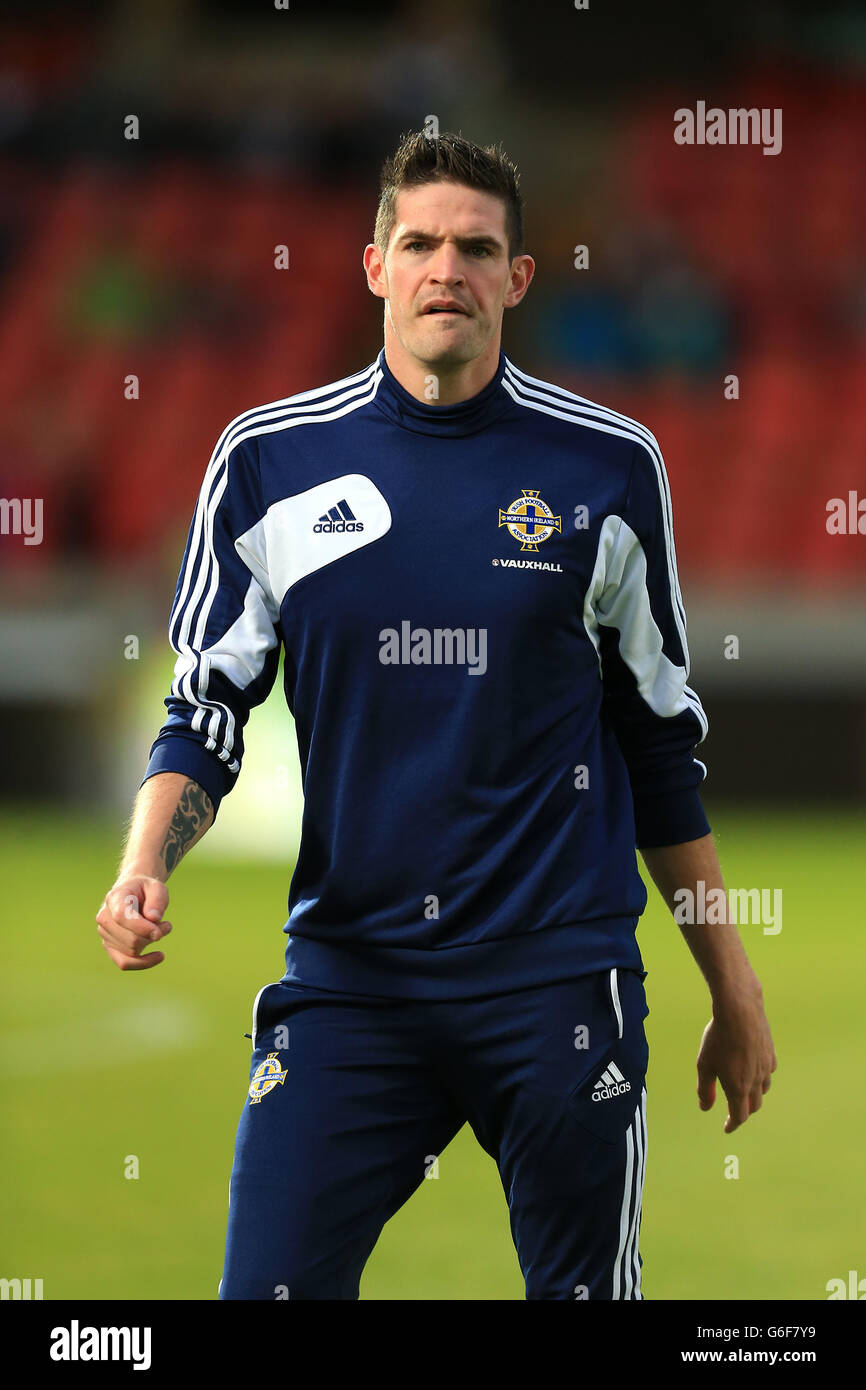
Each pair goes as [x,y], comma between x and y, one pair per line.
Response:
[131,919]
[737,1048]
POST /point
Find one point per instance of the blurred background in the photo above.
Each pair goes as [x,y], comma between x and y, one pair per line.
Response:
[723,305]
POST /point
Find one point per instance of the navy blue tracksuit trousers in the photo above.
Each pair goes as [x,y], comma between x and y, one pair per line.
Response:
[352,1100]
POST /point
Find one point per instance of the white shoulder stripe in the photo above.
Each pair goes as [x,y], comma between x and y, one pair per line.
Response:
[551,390]
[244,427]
[202,570]
[317,395]
[589,413]
[315,413]
[585,411]
[611,422]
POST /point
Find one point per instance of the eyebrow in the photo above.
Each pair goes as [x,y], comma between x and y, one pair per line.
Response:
[461,240]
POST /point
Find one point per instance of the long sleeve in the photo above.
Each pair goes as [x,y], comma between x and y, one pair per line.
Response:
[658,720]
[224,627]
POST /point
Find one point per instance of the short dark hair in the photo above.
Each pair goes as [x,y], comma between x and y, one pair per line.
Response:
[421,159]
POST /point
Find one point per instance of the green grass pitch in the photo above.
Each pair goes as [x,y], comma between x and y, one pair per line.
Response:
[99,1065]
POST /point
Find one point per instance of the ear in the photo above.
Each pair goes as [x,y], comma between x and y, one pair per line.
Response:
[374,265]
[522,271]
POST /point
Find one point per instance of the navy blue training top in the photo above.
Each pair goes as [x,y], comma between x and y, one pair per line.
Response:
[486,661]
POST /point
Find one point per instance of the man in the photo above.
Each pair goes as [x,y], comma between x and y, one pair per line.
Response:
[473,575]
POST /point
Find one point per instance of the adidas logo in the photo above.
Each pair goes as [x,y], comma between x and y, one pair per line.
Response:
[611,1083]
[339,518]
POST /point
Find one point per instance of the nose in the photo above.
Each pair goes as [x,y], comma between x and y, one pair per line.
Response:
[446,268]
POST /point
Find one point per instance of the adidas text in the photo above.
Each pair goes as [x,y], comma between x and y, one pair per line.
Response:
[606,1092]
[339,526]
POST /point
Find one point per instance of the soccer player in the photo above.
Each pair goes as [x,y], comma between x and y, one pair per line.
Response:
[472,574]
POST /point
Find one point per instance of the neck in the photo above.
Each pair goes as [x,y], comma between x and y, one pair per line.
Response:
[460,418]
[455,382]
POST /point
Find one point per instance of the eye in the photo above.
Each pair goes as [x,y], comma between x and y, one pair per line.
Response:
[485,250]
[415,243]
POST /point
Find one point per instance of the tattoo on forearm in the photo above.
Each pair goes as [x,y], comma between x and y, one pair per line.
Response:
[192,811]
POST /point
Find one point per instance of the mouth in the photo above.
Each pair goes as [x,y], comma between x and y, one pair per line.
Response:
[450,311]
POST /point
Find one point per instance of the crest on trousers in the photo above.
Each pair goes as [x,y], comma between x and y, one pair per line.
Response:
[530,520]
[267,1075]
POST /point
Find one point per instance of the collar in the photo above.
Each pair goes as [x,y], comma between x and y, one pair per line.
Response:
[465,417]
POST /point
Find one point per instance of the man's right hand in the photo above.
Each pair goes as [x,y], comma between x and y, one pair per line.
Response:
[130,919]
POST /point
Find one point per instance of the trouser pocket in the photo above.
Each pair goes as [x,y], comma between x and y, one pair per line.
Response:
[613,1074]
